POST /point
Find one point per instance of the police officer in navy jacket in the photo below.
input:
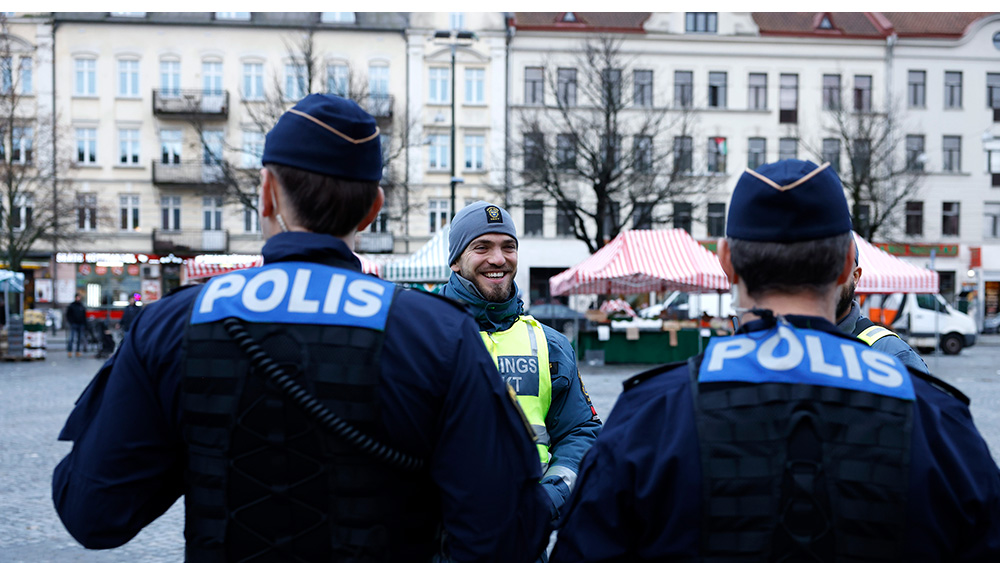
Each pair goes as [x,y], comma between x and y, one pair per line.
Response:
[306,411]
[788,441]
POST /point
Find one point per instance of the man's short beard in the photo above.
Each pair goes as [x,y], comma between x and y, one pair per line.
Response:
[846,298]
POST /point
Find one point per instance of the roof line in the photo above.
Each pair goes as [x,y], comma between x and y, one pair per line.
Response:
[881,23]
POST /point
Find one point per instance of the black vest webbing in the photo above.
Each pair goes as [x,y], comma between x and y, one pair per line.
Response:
[264,483]
[801,472]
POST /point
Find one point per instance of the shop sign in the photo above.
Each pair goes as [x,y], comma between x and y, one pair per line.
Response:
[111,259]
[133,270]
[919,250]
[117,270]
[84,270]
[100,270]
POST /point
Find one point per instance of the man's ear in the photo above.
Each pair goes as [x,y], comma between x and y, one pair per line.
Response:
[725,259]
[373,212]
[267,197]
[848,270]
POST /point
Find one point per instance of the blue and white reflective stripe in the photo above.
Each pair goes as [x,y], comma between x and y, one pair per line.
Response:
[787,355]
[296,293]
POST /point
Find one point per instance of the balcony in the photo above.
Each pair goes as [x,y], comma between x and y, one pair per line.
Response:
[373,242]
[190,104]
[379,105]
[188,174]
[189,241]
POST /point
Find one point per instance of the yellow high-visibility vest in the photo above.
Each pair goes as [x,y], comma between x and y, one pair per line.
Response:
[872,334]
[521,355]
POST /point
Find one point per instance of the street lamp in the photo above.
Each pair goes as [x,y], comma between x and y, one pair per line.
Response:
[454,38]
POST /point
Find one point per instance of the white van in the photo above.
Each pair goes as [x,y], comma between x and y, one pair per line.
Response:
[691,306]
[919,317]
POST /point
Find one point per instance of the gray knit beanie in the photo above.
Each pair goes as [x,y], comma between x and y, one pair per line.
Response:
[473,221]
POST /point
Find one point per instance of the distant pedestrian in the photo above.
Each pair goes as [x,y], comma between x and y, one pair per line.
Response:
[129,314]
[76,318]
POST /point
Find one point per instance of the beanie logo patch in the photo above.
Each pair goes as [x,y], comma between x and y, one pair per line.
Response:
[493,215]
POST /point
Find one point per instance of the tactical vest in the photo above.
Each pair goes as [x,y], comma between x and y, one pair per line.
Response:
[263,481]
[521,354]
[869,332]
[805,444]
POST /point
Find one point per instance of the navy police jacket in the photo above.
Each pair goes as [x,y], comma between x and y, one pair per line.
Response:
[639,496]
[441,396]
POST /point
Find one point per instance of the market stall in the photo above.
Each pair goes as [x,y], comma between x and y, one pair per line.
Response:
[640,261]
[428,265]
[208,266]
[882,272]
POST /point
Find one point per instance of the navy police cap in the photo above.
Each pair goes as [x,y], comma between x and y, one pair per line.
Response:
[328,135]
[788,201]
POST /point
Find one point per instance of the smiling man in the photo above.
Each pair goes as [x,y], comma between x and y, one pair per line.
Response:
[536,360]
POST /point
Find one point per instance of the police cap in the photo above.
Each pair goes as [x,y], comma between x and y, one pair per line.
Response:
[328,135]
[788,201]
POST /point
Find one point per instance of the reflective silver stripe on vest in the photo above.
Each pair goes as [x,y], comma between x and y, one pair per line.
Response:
[532,340]
[566,474]
[542,433]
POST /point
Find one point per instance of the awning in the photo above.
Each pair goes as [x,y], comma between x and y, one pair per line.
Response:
[639,261]
[429,264]
[195,269]
[882,272]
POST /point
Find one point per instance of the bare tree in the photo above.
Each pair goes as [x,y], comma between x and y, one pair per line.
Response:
[306,66]
[32,209]
[605,152]
[877,178]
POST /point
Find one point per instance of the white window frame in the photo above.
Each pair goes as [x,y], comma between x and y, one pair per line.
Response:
[86,210]
[24,205]
[211,213]
[437,214]
[170,77]
[338,79]
[128,78]
[456,20]
[22,149]
[86,146]
[475,146]
[295,77]
[475,91]
[238,16]
[253,81]
[439,90]
[438,159]
[338,17]
[170,213]
[211,77]
[27,85]
[129,212]
[85,76]
[128,147]
[991,220]
[253,149]
[251,220]
[172,139]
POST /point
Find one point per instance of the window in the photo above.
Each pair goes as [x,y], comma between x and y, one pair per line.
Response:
[474,90]
[474,145]
[861,159]
[643,147]
[253,81]
[212,142]
[831,153]
[170,146]
[565,218]
[862,217]
[756,151]
[716,89]
[170,207]
[611,87]
[949,218]
[338,80]
[991,220]
[20,216]
[534,151]
[952,89]
[534,87]
[6,75]
[683,88]
[642,215]
[211,211]
[296,81]
[337,17]
[611,214]
[86,77]
[251,220]
[643,86]
[128,147]
[27,85]
[457,20]
[378,89]
[128,206]
[700,22]
[862,93]
[566,87]
[86,212]
[211,77]
[682,216]
[128,14]
[534,213]
[831,92]
[245,16]
[915,218]
[439,158]
[717,150]
[916,89]
[757,91]
[128,78]
[611,151]
[952,161]
[86,145]
[253,149]
[170,78]
[683,154]
[788,147]
[788,98]
[438,81]
[437,210]
[716,222]
[993,90]
[22,145]
[565,152]
[915,153]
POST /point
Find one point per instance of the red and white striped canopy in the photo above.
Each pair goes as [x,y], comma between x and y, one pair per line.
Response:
[882,272]
[196,270]
[639,261]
